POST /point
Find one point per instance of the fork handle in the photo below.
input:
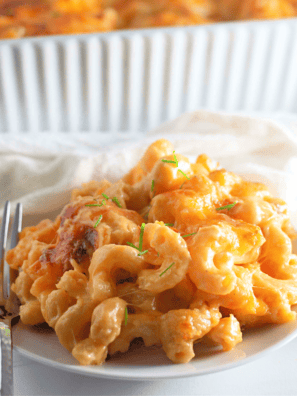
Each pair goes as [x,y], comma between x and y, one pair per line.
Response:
[6,359]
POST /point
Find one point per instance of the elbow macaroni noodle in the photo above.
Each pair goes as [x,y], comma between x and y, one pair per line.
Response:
[194,271]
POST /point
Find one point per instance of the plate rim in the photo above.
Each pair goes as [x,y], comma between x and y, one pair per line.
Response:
[129,376]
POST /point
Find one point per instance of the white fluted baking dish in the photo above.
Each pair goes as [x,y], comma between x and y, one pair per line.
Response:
[134,80]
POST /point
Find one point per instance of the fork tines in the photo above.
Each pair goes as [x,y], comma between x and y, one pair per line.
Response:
[5,272]
[3,241]
[8,306]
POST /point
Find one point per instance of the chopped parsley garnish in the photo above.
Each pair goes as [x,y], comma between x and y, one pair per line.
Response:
[140,242]
[98,221]
[141,236]
[102,203]
[116,201]
[162,273]
[176,164]
[153,185]
[126,316]
[175,159]
[131,244]
[228,207]
[170,161]
[169,224]
[193,233]
[183,174]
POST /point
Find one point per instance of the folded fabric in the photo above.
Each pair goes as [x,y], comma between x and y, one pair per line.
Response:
[41,170]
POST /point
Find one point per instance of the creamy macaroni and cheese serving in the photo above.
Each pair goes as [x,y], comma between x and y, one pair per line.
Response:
[173,253]
[24,18]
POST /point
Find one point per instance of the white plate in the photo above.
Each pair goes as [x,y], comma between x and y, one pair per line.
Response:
[152,363]
[142,363]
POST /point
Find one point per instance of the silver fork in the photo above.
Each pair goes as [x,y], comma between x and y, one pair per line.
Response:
[9,307]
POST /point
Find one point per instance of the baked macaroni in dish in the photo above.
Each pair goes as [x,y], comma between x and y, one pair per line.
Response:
[173,253]
[23,18]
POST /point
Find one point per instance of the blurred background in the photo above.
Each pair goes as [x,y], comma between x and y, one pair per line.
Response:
[142,62]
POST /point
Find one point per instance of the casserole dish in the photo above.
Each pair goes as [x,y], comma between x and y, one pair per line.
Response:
[132,80]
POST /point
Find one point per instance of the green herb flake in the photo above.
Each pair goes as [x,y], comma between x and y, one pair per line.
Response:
[169,224]
[140,241]
[126,316]
[182,185]
[158,254]
[172,162]
[153,185]
[131,244]
[175,159]
[105,196]
[98,221]
[183,174]
[141,236]
[162,273]
[102,203]
[116,201]
[228,207]
[184,236]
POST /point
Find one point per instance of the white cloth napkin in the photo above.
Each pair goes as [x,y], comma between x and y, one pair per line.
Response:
[41,170]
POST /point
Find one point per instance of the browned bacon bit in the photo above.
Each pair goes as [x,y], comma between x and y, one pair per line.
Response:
[76,242]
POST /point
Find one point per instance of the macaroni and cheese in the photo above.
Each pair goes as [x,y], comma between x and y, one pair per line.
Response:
[173,253]
[23,18]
